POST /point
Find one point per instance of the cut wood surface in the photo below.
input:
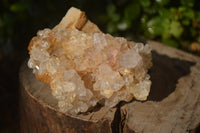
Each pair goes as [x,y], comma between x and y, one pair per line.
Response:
[173,104]
[40,114]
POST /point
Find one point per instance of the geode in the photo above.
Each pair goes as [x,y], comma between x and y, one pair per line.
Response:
[84,66]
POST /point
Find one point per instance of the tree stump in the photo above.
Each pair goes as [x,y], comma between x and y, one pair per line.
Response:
[173,104]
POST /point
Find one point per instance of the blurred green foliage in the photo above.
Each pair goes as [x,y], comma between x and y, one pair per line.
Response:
[21,19]
[175,23]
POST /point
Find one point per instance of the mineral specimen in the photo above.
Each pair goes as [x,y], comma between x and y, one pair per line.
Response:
[83,66]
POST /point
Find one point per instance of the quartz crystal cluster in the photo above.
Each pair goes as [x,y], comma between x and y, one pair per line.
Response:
[83,66]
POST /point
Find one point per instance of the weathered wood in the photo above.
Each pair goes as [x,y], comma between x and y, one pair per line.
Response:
[174,102]
[172,106]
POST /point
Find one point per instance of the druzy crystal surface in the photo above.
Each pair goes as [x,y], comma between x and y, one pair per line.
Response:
[84,66]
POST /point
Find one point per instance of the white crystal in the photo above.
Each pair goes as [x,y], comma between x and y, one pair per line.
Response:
[39,55]
[128,79]
[45,44]
[84,68]
[43,33]
[147,49]
[99,41]
[129,59]
[31,63]
[138,47]
[141,90]
[52,65]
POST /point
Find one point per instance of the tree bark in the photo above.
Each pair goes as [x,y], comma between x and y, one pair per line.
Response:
[173,104]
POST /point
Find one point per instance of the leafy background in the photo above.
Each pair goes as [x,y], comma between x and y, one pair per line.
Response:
[174,23]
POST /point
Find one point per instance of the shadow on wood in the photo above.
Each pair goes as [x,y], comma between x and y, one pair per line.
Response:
[165,72]
[174,101]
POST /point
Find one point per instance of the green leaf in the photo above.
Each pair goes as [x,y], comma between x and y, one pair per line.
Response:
[159,26]
[164,12]
[170,42]
[110,9]
[132,12]
[18,7]
[162,2]
[176,29]
[173,13]
[186,12]
[150,11]
[197,16]
[166,28]
[155,26]
[186,22]
[182,9]
[115,17]
[144,19]
[189,13]
[189,3]
[145,3]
